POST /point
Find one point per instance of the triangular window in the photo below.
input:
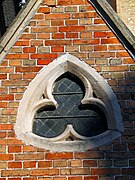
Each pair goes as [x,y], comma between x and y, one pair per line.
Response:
[68,107]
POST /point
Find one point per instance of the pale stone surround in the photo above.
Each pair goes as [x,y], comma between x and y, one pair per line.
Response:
[42,85]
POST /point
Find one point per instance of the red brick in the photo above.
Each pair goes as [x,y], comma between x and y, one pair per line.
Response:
[110,41]
[3,104]
[43,36]
[100,48]
[72,29]
[44,10]
[57,49]
[71,22]
[22,43]
[3,76]
[6,97]
[71,2]
[58,36]
[100,34]
[14,164]
[43,56]
[99,21]
[43,62]
[59,155]
[6,126]
[28,36]
[10,142]
[14,178]
[6,157]
[85,41]
[59,178]
[14,149]
[57,16]
[29,149]
[29,49]
[122,54]
[29,164]
[75,178]
[2,134]
[29,76]
[49,2]
[17,56]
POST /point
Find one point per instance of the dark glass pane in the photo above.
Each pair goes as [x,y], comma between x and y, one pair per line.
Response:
[86,120]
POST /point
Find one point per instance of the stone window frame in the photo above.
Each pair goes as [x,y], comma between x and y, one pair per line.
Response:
[42,85]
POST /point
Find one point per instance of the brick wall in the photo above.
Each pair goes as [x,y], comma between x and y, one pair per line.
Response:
[74,27]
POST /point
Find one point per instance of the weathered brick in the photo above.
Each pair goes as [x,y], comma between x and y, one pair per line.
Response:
[88,155]
[89,163]
[3,165]
[105,171]
[80,171]
[44,164]
[13,173]
[44,172]
[38,156]
[60,163]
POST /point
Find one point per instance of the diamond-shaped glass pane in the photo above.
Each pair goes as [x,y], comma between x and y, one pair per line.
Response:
[87,120]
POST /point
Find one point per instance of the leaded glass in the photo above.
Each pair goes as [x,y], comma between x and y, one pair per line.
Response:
[87,120]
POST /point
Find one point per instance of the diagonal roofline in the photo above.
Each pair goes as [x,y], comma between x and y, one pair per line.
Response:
[102,7]
[118,27]
[16,28]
